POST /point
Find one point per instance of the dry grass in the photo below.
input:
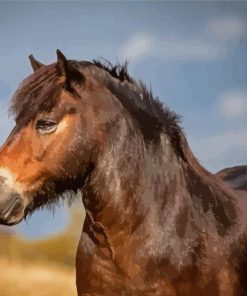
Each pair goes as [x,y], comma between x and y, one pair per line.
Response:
[40,268]
[24,279]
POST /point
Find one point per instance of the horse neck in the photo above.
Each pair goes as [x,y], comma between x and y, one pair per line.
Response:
[134,179]
[135,183]
[145,195]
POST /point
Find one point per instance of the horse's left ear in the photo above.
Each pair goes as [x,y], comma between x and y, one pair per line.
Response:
[34,63]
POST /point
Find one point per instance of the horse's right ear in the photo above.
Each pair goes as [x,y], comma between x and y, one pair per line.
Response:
[35,64]
[62,65]
[68,73]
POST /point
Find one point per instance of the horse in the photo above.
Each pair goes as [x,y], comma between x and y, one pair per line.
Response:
[157,222]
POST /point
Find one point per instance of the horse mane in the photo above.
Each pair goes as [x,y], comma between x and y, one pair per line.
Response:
[119,71]
[147,109]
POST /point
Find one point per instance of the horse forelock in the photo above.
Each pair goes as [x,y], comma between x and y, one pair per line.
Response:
[37,93]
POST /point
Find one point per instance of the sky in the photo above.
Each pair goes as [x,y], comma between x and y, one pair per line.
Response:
[192,54]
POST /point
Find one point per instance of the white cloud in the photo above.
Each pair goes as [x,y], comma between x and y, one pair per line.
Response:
[215,145]
[222,32]
[192,49]
[233,104]
[221,150]
[227,29]
[137,47]
[143,46]
[227,148]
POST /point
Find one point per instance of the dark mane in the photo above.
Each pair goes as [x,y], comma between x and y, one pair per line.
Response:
[119,71]
[151,114]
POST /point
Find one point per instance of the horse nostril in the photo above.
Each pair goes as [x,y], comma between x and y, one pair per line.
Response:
[11,206]
[14,208]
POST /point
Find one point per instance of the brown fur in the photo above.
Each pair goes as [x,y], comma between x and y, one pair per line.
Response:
[157,223]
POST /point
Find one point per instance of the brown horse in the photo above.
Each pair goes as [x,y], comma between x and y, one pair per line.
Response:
[157,223]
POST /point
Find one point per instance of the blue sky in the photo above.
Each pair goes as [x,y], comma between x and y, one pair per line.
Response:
[193,54]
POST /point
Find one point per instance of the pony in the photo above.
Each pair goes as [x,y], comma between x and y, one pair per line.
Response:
[157,222]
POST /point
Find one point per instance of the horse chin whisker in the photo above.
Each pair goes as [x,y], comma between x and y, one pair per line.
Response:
[70,195]
[46,202]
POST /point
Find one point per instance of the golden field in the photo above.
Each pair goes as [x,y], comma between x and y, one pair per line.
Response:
[42,267]
[19,278]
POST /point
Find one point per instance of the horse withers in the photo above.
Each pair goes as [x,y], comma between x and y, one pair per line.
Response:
[157,223]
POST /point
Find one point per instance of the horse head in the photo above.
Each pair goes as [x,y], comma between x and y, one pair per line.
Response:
[54,144]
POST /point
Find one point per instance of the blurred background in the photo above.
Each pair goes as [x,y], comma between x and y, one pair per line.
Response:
[192,54]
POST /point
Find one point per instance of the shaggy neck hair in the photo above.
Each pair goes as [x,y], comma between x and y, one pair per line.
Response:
[153,117]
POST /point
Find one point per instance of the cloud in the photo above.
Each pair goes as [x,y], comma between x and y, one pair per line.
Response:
[192,49]
[233,104]
[143,46]
[228,148]
[227,28]
[137,47]
[221,150]
[220,37]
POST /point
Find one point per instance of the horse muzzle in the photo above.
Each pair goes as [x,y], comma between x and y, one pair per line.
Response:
[11,208]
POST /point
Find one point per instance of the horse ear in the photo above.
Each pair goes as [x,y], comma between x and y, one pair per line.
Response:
[35,64]
[67,73]
[62,65]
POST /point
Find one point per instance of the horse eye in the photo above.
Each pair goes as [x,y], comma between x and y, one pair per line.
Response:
[46,126]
